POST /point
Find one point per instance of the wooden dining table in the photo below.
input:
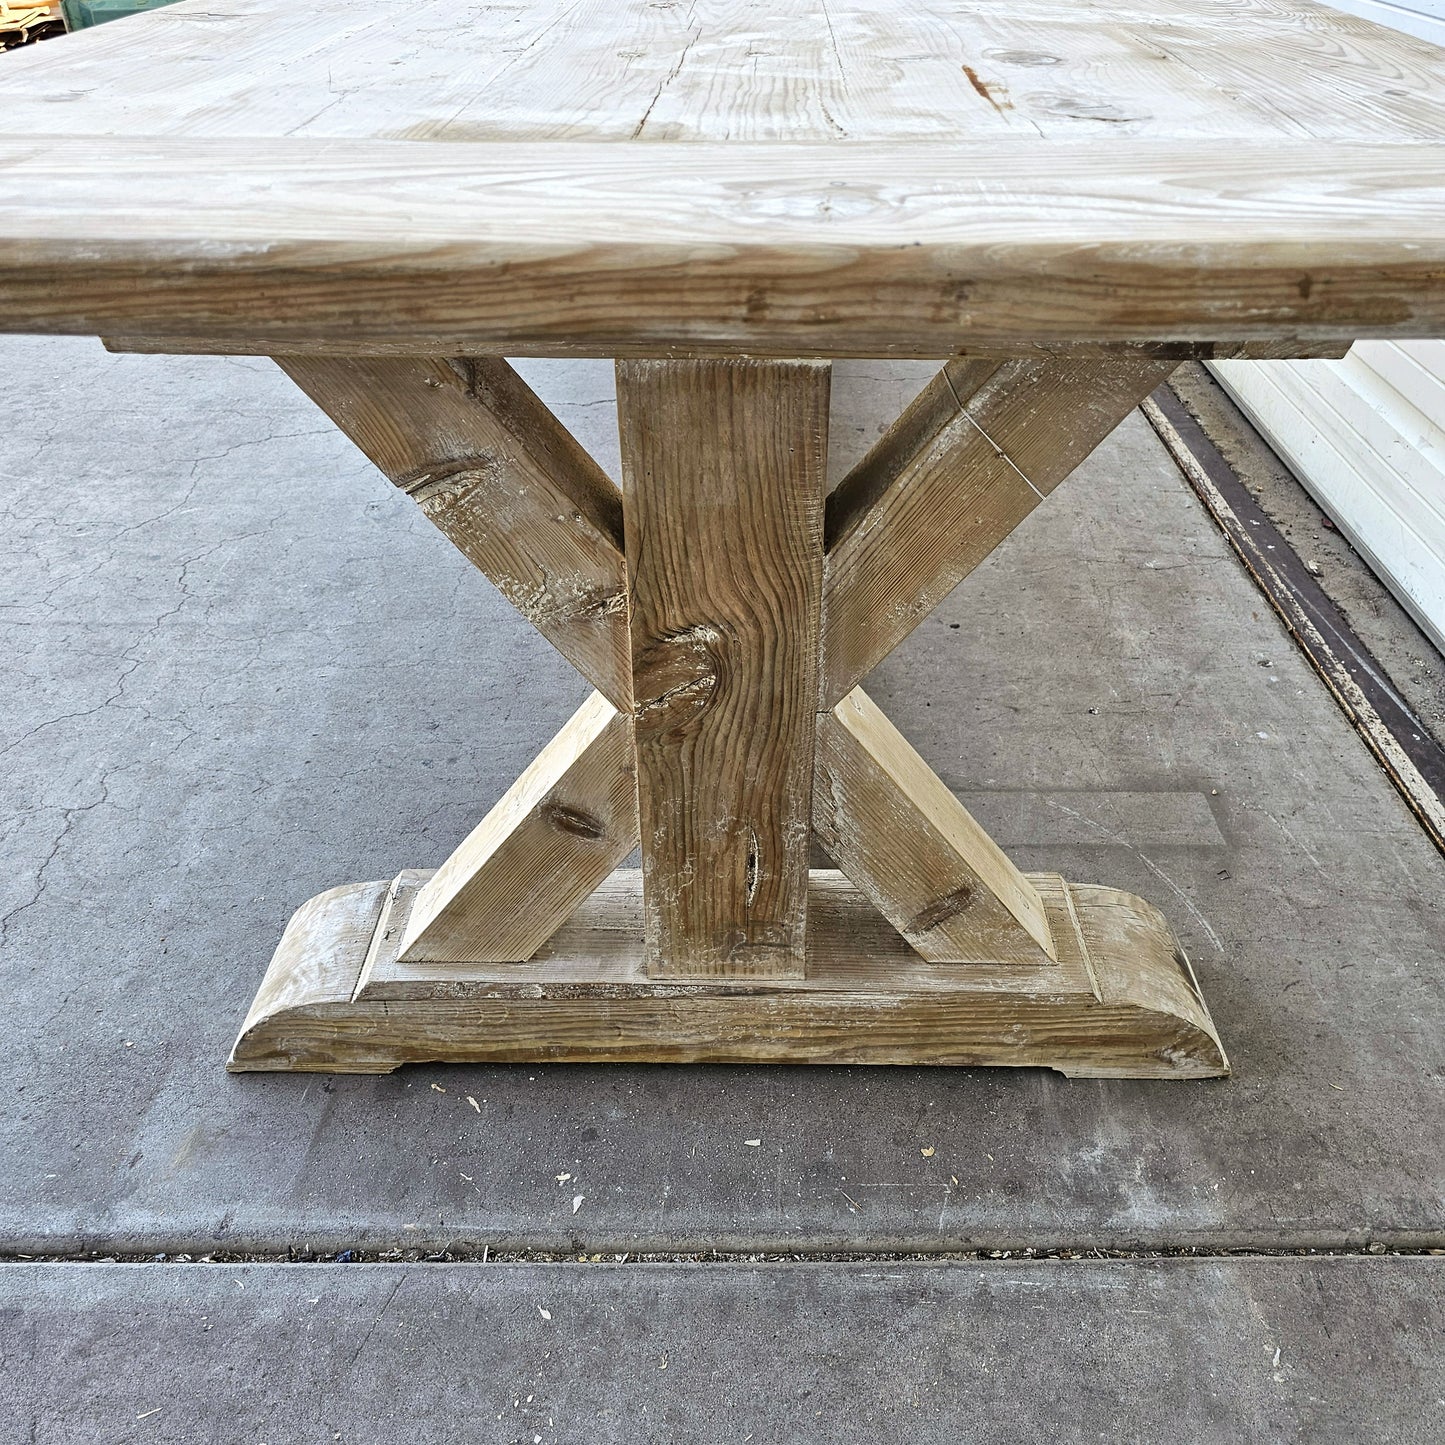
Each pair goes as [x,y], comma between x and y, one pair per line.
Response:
[1056,201]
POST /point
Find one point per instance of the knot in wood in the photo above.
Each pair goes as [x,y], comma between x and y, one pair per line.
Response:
[941,910]
[573,821]
[676,679]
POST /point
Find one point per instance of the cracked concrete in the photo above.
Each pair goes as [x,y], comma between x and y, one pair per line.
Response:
[241,668]
[210,677]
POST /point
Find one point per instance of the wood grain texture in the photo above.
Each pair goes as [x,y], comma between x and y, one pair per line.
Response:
[320,955]
[788,250]
[601,947]
[555,834]
[904,840]
[1281,348]
[1046,71]
[1121,1003]
[854,177]
[975,453]
[723,475]
[504,480]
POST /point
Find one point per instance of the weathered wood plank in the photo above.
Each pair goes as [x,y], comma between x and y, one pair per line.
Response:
[505,481]
[555,834]
[856,177]
[890,824]
[1121,1002]
[1281,348]
[768,249]
[823,70]
[723,475]
[977,451]
[602,944]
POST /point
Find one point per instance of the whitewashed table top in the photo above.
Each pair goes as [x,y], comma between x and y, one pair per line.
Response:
[799,177]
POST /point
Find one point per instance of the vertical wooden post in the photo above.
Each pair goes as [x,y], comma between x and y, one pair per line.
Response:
[723,484]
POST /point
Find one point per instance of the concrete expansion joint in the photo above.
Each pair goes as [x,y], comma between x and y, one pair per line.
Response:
[583,1254]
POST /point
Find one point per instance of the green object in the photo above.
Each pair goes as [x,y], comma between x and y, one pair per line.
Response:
[81,13]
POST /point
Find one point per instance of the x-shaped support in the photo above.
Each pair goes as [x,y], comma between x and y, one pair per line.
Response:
[725,610]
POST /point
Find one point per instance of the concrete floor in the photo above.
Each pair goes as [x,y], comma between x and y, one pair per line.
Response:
[1219,1352]
[240,668]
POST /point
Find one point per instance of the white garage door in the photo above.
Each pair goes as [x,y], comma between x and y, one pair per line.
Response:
[1366,435]
[1425,18]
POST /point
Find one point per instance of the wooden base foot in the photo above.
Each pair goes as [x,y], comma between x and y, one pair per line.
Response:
[1121,1002]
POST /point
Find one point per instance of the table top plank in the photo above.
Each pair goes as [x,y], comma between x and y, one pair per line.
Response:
[733,70]
[832,177]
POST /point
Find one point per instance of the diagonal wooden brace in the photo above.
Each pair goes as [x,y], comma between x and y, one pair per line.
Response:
[508,484]
[975,453]
[981,446]
[555,834]
[890,823]
[504,480]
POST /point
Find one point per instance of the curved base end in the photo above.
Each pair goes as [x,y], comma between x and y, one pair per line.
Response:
[310,981]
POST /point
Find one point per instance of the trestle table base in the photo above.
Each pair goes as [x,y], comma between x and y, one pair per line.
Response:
[725,608]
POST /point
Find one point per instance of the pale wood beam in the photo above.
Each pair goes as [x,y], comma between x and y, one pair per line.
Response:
[556,833]
[1121,1002]
[889,822]
[506,482]
[973,455]
[568,246]
[723,474]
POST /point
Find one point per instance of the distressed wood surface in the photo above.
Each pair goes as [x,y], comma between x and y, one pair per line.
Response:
[1121,1003]
[634,248]
[723,478]
[725,947]
[847,178]
[321,951]
[555,834]
[883,815]
[821,70]
[503,479]
[975,453]
[889,823]
[1278,348]
[602,945]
